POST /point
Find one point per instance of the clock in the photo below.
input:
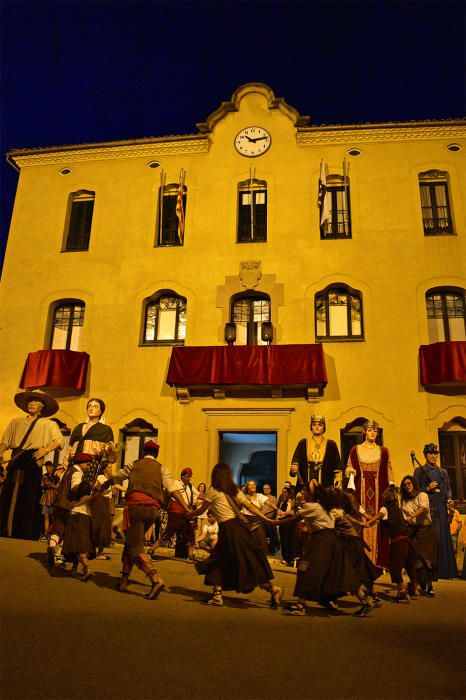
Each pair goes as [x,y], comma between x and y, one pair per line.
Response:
[252,141]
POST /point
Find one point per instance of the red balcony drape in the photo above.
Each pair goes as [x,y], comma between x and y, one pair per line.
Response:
[65,369]
[443,363]
[247,364]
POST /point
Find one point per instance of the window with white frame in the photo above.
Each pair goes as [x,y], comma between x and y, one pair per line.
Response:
[164,319]
[445,314]
[338,225]
[338,314]
[435,203]
[248,312]
[67,324]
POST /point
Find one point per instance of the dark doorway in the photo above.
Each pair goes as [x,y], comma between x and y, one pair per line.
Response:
[251,455]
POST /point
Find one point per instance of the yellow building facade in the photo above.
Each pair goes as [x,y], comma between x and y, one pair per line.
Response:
[359,286]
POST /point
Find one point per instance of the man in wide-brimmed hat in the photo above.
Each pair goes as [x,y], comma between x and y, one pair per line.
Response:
[31,438]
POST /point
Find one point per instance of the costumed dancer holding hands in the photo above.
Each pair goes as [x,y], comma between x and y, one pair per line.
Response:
[422,534]
[402,554]
[238,562]
[324,573]
[144,498]
[77,542]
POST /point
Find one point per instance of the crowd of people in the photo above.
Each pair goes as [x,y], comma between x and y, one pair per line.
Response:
[340,528]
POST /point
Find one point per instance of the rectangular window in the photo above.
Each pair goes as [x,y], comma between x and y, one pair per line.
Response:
[167,229]
[67,327]
[80,222]
[339,222]
[252,221]
[435,205]
[445,317]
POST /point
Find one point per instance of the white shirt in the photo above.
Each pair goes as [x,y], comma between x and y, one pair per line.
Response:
[101,479]
[43,432]
[219,504]
[189,496]
[210,530]
[316,517]
[410,507]
[257,500]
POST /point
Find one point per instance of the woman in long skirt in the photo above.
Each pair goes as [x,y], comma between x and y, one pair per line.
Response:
[422,533]
[238,563]
[325,572]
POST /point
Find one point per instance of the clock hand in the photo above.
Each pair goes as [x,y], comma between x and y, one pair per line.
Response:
[259,138]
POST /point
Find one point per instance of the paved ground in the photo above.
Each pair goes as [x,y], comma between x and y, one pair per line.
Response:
[63,639]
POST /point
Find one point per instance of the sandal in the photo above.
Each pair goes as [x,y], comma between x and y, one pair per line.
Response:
[215,599]
[86,574]
[157,587]
[364,610]
[276,597]
[297,610]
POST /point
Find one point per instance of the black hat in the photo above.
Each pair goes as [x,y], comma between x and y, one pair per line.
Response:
[24,397]
[430,448]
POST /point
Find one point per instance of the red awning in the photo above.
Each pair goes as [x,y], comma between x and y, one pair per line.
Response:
[64,369]
[272,365]
[443,364]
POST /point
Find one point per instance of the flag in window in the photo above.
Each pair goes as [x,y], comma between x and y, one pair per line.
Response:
[180,209]
[324,199]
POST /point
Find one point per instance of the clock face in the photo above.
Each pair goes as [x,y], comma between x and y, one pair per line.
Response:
[253,141]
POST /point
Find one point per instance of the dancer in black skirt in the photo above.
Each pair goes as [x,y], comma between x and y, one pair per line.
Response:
[238,562]
[77,543]
[422,534]
[324,572]
[346,527]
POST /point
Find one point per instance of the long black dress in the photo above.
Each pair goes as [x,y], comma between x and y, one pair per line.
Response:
[308,470]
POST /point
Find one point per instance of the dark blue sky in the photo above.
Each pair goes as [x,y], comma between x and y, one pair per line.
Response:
[76,72]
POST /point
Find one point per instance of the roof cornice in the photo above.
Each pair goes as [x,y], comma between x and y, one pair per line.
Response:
[109,150]
[366,133]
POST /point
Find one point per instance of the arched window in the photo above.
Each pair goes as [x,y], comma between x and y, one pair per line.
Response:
[67,324]
[79,220]
[164,319]
[248,312]
[252,211]
[171,215]
[338,313]
[445,314]
[435,203]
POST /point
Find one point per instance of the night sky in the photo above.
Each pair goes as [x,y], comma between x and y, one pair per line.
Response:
[78,72]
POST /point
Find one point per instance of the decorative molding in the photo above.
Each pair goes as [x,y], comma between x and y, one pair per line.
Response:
[234,104]
[279,411]
[316,136]
[138,426]
[199,144]
[250,273]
